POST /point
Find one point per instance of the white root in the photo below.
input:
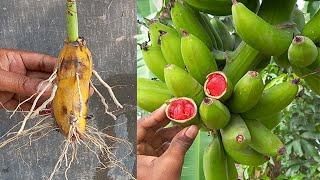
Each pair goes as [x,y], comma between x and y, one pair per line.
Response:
[44,105]
[29,132]
[103,101]
[115,100]
[50,80]
[19,105]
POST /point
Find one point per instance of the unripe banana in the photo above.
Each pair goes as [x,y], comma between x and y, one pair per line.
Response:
[184,18]
[227,40]
[214,161]
[273,100]
[246,155]
[155,27]
[236,134]
[243,59]
[171,48]
[277,14]
[182,84]
[151,94]
[302,52]
[214,114]
[215,37]
[264,37]
[246,57]
[312,28]
[263,140]
[154,60]
[220,7]
[231,169]
[246,93]
[236,139]
[197,57]
[271,121]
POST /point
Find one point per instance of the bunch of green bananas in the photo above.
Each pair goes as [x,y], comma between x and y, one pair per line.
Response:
[203,70]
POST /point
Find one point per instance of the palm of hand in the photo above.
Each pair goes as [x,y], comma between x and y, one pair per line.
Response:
[20,74]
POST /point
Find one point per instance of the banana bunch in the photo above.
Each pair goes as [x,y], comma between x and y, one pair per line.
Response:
[206,79]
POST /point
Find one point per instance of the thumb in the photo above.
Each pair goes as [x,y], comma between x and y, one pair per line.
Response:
[180,145]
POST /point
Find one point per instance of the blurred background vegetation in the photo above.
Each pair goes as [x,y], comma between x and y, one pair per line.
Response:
[299,128]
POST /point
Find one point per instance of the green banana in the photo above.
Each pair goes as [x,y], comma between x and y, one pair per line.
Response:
[246,57]
[246,155]
[277,12]
[273,100]
[184,18]
[241,61]
[231,169]
[224,34]
[220,7]
[302,52]
[312,28]
[264,37]
[270,121]
[246,93]
[236,139]
[151,94]
[171,48]
[154,60]
[197,57]
[182,84]
[215,38]
[263,140]
[214,161]
[155,27]
[236,134]
[213,113]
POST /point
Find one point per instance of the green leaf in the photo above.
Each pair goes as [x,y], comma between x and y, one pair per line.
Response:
[192,168]
[311,135]
[310,150]
[297,148]
[313,7]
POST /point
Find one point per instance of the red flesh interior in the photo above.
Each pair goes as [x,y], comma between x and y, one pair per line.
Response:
[181,109]
[216,85]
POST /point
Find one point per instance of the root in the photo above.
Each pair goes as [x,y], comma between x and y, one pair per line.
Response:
[103,101]
[115,100]
[93,139]
[44,105]
[64,153]
[98,138]
[30,113]
[37,128]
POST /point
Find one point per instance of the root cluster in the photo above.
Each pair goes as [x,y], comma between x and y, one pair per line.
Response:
[99,143]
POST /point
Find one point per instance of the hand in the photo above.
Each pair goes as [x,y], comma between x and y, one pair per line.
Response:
[160,150]
[21,74]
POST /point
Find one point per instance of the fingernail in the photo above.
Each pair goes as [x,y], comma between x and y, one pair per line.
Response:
[44,85]
[192,132]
